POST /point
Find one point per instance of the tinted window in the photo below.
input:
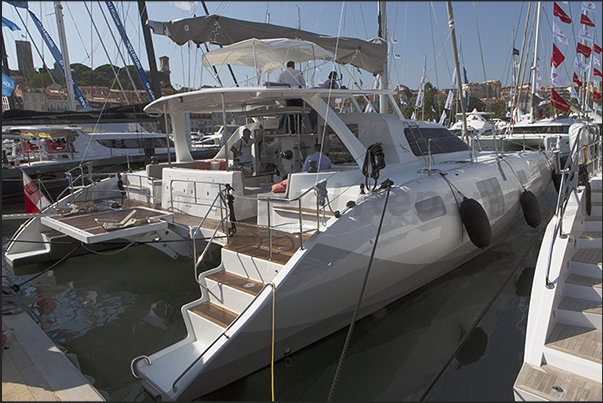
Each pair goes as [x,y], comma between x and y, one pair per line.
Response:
[429,209]
[492,196]
[442,141]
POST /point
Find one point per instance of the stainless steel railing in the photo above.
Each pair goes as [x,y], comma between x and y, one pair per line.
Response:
[569,183]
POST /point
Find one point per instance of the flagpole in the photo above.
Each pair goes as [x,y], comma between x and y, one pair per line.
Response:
[458,70]
[535,62]
[584,76]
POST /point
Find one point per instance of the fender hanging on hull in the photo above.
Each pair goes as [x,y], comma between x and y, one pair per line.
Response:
[476,222]
[530,208]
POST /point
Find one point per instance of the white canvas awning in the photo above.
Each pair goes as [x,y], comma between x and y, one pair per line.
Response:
[266,55]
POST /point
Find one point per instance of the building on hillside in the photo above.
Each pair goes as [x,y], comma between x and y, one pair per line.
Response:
[487,91]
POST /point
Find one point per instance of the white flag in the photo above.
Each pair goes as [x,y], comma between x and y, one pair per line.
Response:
[188,6]
[596,106]
[596,61]
[556,77]
[589,6]
[369,108]
[433,110]
[596,84]
[558,33]
[448,103]
[419,102]
[585,35]
[583,67]
[442,118]
[413,117]
[35,201]
[574,94]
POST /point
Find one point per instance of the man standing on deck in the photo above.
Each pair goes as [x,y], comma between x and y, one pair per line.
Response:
[295,79]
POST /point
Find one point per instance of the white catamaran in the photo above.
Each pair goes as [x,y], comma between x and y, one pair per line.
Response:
[403,203]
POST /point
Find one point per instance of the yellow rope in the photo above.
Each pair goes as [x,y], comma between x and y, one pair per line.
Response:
[272,361]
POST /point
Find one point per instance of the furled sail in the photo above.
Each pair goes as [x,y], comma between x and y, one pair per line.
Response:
[368,55]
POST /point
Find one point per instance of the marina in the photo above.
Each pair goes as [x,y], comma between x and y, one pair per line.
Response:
[329,241]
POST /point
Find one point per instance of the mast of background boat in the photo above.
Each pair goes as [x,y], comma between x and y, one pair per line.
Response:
[458,70]
[534,66]
[67,66]
[142,9]
[383,80]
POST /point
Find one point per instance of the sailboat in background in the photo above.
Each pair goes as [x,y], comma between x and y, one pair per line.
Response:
[528,133]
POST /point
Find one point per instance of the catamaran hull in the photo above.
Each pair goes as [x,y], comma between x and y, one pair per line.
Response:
[318,289]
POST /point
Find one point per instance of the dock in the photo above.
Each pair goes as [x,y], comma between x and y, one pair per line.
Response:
[35,369]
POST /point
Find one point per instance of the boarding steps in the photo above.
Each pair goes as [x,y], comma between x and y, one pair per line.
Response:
[227,291]
[571,367]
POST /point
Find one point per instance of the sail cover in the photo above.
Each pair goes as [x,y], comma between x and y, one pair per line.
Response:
[218,30]
[266,54]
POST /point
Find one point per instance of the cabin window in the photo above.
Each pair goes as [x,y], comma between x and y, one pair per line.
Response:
[337,151]
[442,141]
[523,178]
[492,196]
[429,209]
[134,143]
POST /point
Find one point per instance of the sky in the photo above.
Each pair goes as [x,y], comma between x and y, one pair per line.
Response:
[418,32]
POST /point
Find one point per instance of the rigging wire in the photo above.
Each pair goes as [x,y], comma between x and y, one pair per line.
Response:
[42,57]
[387,183]
[481,53]
[77,30]
[121,55]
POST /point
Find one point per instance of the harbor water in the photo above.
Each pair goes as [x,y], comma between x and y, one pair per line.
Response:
[110,307]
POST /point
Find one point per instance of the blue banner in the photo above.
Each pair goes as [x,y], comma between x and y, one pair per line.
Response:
[20,4]
[11,25]
[58,57]
[8,84]
[124,37]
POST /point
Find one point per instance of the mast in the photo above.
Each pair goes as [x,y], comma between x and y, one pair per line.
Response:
[535,65]
[383,78]
[67,66]
[142,8]
[456,63]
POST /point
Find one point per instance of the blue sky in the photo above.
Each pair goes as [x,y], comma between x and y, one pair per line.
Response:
[484,29]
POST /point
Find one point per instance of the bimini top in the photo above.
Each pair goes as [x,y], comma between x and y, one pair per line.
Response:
[236,99]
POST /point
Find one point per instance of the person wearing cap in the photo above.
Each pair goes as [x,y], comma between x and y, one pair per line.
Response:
[331,83]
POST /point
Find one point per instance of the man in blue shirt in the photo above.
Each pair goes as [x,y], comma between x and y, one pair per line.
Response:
[318,161]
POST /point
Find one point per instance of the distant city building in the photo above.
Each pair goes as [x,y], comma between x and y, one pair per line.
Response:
[488,90]
[24,58]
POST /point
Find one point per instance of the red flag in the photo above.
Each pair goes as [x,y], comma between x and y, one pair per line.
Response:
[558,12]
[577,80]
[586,21]
[585,50]
[559,102]
[596,48]
[596,95]
[596,72]
[35,201]
[557,57]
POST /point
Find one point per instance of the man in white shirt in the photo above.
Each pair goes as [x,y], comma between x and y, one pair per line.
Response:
[295,79]
[241,149]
